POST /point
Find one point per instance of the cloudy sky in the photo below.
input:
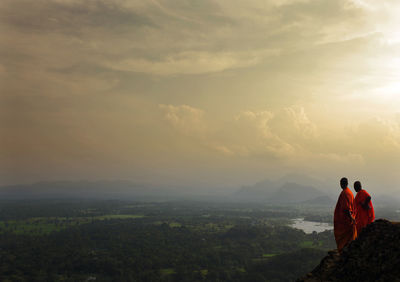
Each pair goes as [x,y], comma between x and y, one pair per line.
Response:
[202,92]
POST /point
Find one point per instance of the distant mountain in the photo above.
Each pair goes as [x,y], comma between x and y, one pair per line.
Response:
[284,190]
[257,192]
[301,179]
[295,193]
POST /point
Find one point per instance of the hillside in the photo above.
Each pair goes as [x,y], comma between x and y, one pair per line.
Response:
[282,193]
[373,256]
[293,193]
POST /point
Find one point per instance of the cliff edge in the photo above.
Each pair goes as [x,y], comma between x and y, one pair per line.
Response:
[373,256]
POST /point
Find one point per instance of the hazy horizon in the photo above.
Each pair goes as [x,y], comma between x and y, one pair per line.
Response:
[203,93]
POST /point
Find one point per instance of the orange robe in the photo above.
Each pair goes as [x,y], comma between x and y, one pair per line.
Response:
[363,216]
[344,229]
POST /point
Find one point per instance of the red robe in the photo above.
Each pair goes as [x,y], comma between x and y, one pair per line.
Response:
[363,216]
[344,229]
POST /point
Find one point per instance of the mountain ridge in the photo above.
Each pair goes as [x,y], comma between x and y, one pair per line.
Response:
[287,192]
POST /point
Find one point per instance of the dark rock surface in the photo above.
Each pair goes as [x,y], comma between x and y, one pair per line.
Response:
[373,256]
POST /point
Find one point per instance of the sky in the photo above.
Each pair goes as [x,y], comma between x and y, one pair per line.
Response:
[210,93]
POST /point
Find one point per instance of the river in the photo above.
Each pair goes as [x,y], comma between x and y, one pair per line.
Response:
[310,226]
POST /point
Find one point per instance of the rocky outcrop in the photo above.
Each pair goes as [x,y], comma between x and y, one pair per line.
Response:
[373,256]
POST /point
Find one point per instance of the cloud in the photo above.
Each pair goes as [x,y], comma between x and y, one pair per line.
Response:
[70,17]
[247,135]
[165,38]
[287,135]
[378,136]
[185,119]
[251,136]
[192,62]
[292,123]
[348,159]
[239,81]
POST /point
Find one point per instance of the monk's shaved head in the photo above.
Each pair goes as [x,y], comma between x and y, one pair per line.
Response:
[357,186]
[344,182]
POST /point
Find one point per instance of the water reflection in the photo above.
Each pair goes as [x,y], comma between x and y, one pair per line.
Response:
[310,226]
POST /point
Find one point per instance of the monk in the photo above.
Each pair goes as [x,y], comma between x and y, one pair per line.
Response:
[344,222]
[363,207]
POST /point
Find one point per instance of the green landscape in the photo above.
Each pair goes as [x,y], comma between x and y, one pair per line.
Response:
[116,240]
[51,240]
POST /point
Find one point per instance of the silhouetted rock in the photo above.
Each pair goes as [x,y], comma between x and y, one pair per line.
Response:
[373,256]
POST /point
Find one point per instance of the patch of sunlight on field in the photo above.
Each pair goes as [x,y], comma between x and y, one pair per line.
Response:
[310,244]
[204,272]
[175,224]
[268,255]
[167,271]
[172,224]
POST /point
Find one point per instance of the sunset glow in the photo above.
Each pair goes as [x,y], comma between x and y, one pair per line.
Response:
[218,93]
